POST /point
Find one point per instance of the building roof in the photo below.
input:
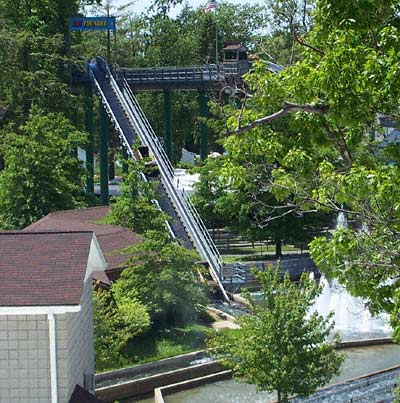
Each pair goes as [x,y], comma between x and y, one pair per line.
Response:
[43,268]
[110,237]
[234,46]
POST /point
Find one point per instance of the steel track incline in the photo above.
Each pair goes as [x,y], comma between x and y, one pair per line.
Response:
[131,123]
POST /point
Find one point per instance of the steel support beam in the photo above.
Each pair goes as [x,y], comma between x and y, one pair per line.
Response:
[90,144]
[125,158]
[103,144]
[203,127]
[168,146]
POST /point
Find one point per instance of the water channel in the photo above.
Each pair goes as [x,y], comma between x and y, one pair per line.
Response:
[359,361]
[352,321]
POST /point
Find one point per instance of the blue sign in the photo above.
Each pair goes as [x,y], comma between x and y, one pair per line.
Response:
[92,24]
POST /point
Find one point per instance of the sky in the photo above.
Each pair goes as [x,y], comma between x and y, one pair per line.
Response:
[141,5]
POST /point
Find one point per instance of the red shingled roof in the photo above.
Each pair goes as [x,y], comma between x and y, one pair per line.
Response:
[110,237]
[43,268]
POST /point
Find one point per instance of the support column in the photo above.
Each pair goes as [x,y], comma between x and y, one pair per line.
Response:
[103,144]
[124,161]
[90,143]
[53,357]
[168,123]
[203,127]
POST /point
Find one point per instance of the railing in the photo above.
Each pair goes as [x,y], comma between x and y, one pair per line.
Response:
[119,130]
[184,208]
[192,73]
[108,108]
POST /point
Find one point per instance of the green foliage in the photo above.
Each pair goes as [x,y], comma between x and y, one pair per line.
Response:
[43,173]
[134,209]
[327,156]
[242,201]
[160,343]
[32,74]
[209,190]
[116,322]
[281,346]
[161,277]
[45,17]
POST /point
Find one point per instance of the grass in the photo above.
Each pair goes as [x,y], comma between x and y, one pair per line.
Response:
[163,343]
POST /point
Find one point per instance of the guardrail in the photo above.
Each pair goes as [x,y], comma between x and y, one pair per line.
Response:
[191,73]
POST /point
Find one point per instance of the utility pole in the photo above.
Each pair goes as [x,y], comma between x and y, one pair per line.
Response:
[216,42]
[108,35]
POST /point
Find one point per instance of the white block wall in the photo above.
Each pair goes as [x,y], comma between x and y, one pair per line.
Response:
[24,359]
[75,346]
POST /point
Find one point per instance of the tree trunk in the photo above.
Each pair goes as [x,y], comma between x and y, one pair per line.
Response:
[278,248]
[279,396]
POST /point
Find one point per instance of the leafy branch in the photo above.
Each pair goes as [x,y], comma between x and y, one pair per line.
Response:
[287,107]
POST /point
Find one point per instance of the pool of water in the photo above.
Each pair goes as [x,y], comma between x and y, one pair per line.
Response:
[359,361]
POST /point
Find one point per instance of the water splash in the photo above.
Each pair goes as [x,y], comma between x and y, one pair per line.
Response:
[352,319]
[342,221]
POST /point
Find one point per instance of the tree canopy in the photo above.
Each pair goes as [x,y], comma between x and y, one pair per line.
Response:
[43,173]
[317,122]
[282,345]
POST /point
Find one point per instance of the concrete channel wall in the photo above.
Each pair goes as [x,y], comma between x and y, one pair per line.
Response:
[165,364]
[364,343]
[159,393]
[145,386]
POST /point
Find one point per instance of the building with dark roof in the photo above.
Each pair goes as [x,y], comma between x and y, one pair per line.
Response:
[112,238]
[46,315]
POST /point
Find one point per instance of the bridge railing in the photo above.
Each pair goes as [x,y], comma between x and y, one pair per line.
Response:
[192,73]
[185,209]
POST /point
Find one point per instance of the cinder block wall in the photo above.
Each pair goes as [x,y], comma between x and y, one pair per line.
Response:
[75,348]
[24,359]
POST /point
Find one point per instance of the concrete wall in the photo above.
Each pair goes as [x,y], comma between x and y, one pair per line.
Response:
[24,359]
[144,386]
[75,348]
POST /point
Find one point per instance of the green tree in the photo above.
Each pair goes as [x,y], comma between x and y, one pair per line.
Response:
[246,204]
[42,172]
[282,345]
[31,74]
[116,322]
[317,122]
[210,189]
[134,209]
[161,277]
[34,54]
